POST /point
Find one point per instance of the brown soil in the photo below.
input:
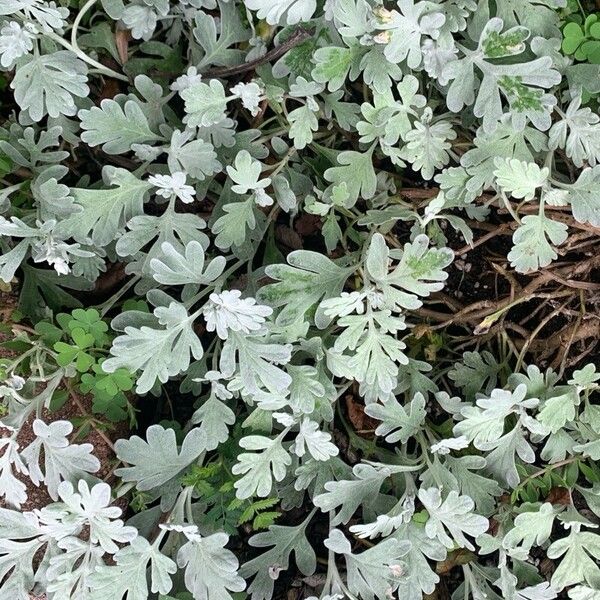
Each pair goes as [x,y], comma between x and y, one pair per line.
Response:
[37,497]
[75,406]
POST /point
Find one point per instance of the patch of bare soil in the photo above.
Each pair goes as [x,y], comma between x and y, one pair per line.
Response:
[76,407]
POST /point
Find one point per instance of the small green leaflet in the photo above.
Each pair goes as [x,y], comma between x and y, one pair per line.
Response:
[245,173]
[353,16]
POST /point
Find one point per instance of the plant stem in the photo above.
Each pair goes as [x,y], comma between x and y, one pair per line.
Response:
[85,58]
[549,468]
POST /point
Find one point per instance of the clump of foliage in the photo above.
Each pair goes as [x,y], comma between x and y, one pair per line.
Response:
[229,224]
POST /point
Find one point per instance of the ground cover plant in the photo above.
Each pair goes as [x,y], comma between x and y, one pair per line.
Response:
[300,299]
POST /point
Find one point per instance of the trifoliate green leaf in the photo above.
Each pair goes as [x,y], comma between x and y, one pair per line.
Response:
[558,410]
[374,352]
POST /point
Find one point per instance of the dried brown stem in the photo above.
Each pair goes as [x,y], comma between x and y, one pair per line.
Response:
[299,36]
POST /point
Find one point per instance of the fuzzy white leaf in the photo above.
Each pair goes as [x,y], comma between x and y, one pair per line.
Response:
[157,460]
[61,460]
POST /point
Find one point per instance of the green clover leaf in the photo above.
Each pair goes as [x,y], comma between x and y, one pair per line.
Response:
[68,353]
[90,321]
